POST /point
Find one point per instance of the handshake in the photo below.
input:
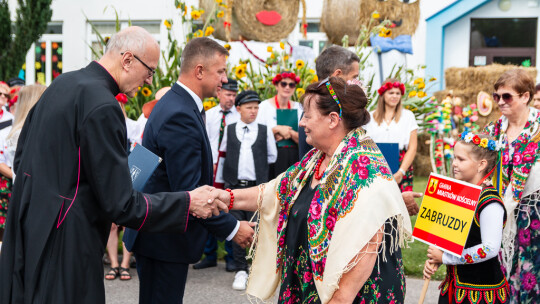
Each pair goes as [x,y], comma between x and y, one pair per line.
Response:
[207,201]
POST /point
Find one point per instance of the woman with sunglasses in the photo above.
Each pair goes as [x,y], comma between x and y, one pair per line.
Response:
[390,123]
[286,133]
[320,237]
[517,179]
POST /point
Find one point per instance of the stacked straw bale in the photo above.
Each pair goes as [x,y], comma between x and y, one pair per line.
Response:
[465,83]
[245,25]
[347,17]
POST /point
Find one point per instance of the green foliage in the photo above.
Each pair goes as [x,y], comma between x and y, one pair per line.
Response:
[31,21]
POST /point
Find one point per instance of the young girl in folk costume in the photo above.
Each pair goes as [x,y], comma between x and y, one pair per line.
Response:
[476,276]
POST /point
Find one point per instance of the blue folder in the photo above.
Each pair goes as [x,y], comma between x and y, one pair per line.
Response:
[390,152]
[142,164]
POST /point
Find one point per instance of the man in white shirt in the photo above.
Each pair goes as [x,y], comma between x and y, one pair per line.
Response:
[248,149]
[217,118]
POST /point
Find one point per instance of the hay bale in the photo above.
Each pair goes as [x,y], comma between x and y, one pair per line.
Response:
[466,83]
[244,24]
[336,23]
[244,12]
[422,161]
[219,33]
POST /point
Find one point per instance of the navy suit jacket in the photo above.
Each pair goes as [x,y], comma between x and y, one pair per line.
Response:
[176,132]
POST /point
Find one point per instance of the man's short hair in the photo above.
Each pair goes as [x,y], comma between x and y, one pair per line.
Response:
[333,58]
[200,50]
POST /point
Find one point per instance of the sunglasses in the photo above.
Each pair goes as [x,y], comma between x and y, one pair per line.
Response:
[151,71]
[6,95]
[290,84]
[506,97]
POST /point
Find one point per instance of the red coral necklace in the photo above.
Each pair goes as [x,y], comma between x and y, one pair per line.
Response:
[318,167]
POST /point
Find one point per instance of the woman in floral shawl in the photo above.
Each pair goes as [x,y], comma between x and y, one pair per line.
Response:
[518,180]
[331,226]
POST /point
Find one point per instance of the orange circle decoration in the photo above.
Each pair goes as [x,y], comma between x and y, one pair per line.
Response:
[43,45]
[484,102]
[54,45]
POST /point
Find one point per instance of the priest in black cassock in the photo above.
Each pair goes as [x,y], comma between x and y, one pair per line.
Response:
[72,181]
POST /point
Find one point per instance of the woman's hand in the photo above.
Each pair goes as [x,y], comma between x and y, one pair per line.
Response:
[283,131]
[430,269]
[398,176]
[435,255]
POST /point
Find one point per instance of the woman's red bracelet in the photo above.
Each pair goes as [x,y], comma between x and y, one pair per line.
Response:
[232,198]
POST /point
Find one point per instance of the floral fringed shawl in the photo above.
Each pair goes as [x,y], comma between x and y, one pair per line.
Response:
[523,157]
[356,196]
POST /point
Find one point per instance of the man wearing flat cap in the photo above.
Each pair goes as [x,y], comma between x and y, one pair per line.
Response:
[248,148]
[217,118]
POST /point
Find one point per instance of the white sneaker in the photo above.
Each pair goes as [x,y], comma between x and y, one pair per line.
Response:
[240,280]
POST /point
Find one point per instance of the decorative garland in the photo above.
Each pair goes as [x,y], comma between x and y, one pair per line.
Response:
[259,58]
[228,20]
[304,23]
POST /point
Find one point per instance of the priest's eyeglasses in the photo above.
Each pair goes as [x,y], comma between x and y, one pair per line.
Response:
[151,71]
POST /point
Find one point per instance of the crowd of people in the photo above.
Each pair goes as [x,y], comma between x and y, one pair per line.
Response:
[289,179]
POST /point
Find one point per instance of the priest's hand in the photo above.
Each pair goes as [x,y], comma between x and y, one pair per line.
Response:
[244,235]
[410,203]
[204,203]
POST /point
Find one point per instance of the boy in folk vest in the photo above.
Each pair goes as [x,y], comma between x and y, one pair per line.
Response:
[250,147]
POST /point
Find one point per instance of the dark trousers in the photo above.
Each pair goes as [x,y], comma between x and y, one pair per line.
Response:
[160,282]
[211,246]
[239,253]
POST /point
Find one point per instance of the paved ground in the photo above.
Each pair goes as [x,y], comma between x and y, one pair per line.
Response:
[213,285]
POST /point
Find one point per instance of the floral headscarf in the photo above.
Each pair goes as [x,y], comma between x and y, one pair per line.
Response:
[356,178]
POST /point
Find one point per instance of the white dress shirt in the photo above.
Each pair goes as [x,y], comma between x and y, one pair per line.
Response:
[268,115]
[213,123]
[247,135]
[395,132]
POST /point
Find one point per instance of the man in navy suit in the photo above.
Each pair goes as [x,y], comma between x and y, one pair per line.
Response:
[176,132]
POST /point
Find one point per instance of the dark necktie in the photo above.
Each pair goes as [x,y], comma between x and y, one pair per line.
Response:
[246,130]
[203,114]
[222,127]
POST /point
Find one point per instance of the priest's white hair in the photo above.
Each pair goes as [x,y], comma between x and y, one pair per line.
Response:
[133,38]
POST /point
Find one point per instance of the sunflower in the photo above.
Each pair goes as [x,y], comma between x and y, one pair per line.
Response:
[412,93]
[300,63]
[385,32]
[312,71]
[220,14]
[198,33]
[195,15]
[219,1]
[273,56]
[227,46]
[282,45]
[418,81]
[375,15]
[421,94]
[300,92]
[240,71]
[209,31]
[167,24]
[432,79]
[146,92]
[286,57]
[261,81]
[315,78]
[269,49]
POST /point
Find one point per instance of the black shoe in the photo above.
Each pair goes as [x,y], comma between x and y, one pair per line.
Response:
[205,264]
[230,267]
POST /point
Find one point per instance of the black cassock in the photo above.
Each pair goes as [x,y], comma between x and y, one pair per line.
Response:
[72,182]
